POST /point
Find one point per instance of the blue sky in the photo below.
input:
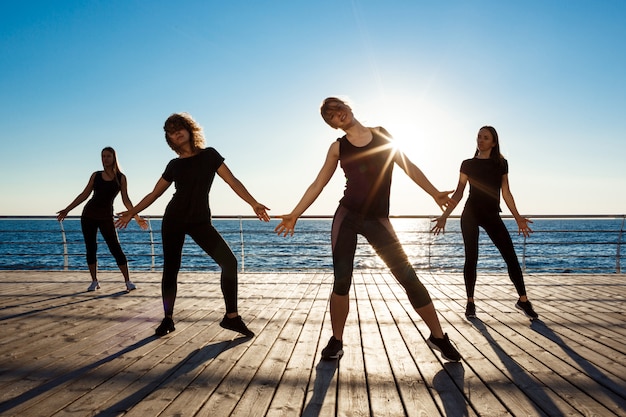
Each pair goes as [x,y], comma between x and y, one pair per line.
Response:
[77,76]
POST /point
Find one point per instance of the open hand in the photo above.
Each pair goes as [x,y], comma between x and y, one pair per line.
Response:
[61,215]
[522,226]
[286,226]
[443,199]
[440,226]
[261,212]
[141,222]
[123,220]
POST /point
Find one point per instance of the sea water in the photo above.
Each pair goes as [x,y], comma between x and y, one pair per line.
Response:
[557,245]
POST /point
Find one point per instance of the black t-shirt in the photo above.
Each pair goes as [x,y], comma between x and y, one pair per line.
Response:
[368,172]
[192,178]
[100,206]
[485,179]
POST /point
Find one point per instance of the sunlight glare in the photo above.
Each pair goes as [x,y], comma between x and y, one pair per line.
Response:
[428,136]
[414,127]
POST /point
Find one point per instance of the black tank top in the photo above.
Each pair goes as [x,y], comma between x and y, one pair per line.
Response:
[104,192]
[368,172]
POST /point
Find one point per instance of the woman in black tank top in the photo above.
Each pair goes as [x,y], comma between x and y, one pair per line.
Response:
[367,158]
[98,215]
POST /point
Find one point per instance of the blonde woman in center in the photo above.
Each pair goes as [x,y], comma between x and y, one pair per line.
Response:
[367,157]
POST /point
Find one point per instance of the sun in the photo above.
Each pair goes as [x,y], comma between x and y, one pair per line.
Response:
[405,136]
[417,127]
[421,133]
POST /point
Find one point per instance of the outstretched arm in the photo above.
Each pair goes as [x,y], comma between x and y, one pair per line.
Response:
[259,209]
[440,222]
[418,177]
[126,216]
[79,199]
[522,222]
[288,222]
[128,204]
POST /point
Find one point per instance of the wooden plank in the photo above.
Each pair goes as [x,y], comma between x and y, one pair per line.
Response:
[79,357]
[522,371]
[112,394]
[119,374]
[68,352]
[108,386]
[449,384]
[289,399]
[352,396]
[561,385]
[237,380]
[187,389]
[308,385]
[415,395]
[263,384]
[321,396]
[383,393]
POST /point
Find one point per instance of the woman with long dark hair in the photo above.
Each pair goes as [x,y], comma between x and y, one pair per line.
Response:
[487,173]
[98,215]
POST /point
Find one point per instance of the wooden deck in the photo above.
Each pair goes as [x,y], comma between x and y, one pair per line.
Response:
[65,351]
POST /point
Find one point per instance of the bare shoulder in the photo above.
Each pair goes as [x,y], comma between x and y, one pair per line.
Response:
[333,150]
[381,131]
[92,178]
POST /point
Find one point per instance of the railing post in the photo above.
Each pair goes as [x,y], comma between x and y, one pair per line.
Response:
[618,268]
[524,255]
[151,244]
[431,237]
[243,260]
[66,262]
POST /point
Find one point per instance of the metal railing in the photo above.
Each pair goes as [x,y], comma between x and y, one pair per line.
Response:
[559,244]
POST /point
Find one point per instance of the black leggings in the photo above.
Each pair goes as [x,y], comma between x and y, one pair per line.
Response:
[497,231]
[204,234]
[107,230]
[380,234]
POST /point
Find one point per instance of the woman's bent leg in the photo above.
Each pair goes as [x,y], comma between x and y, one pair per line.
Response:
[501,238]
[109,234]
[343,240]
[209,239]
[383,238]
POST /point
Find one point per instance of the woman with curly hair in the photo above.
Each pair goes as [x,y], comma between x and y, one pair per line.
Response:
[98,215]
[188,213]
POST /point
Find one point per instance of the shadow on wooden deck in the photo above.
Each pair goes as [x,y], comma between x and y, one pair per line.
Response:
[65,351]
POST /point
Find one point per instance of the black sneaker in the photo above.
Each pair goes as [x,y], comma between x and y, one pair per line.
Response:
[237,325]
[444,346]
[166,326]
[527,308]
[333,350]
[470,310]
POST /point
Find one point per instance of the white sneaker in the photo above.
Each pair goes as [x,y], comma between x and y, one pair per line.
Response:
[95,285]
[130,286]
